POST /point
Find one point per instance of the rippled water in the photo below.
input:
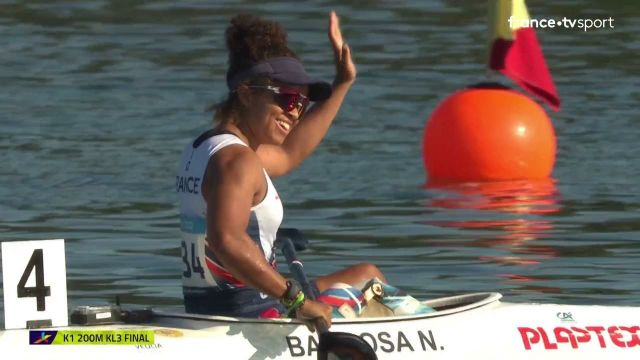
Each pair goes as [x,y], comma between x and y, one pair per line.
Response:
[97,99]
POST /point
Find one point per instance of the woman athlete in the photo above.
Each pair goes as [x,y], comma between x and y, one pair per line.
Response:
[230,210]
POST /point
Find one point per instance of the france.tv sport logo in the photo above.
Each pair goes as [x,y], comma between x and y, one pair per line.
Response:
[40,337]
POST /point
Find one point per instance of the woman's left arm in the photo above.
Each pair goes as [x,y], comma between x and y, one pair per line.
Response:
[308,133]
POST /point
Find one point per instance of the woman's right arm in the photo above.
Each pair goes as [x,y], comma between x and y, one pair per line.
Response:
[229,195]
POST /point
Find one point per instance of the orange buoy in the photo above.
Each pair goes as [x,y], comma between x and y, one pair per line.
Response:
[488,133]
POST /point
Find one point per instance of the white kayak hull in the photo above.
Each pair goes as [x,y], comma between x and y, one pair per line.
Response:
[475,326]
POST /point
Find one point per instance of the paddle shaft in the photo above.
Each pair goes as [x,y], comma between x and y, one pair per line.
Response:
[296,268]
[347,342]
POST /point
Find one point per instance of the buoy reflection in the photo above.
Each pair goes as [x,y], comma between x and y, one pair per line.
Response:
[517,210]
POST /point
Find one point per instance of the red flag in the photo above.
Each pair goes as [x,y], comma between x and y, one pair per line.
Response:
[516,52]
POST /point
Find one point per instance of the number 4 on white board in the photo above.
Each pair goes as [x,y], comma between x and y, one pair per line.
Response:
[35,284]
[40,291]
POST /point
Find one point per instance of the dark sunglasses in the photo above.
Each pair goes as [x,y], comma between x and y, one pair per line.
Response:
[287,99]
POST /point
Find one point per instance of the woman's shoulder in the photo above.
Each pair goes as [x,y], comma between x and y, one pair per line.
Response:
[236,159]
[215,138]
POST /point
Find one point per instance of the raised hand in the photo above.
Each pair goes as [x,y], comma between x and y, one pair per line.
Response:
[345,68]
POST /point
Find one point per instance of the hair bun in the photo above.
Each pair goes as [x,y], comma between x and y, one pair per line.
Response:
[253,39]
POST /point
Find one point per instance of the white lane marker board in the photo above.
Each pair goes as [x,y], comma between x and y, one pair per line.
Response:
[34,278]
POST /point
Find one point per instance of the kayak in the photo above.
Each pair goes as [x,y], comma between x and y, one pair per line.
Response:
[471,326]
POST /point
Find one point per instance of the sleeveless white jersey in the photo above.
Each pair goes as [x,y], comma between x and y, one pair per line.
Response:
[201,268]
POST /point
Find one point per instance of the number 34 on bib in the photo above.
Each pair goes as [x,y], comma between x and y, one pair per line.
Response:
[34,283]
